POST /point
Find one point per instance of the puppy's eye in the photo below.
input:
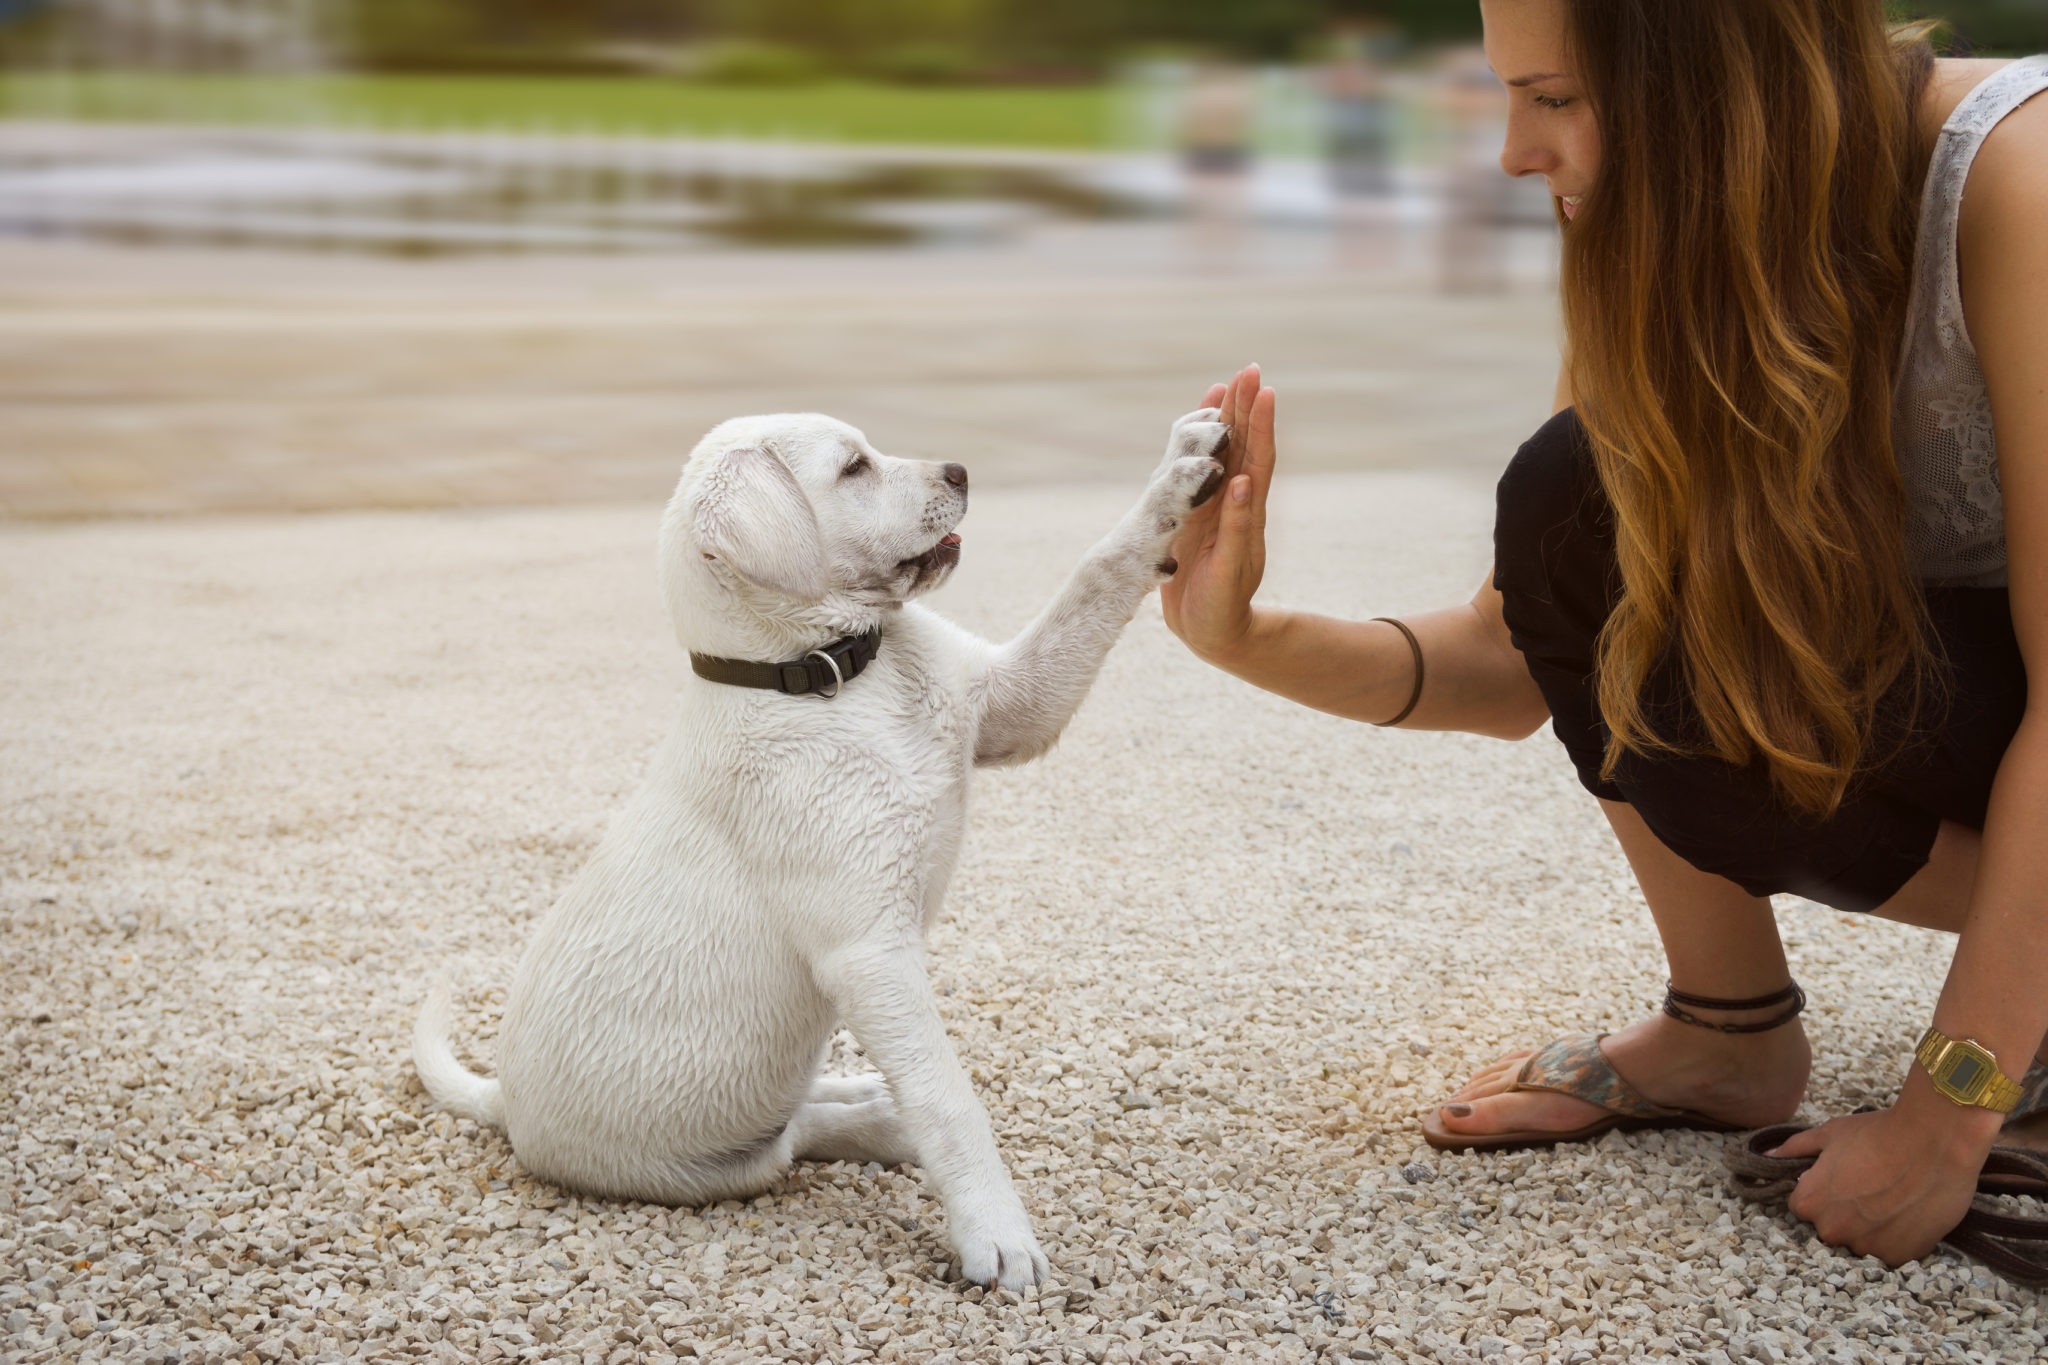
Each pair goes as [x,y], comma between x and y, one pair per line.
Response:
[857,465]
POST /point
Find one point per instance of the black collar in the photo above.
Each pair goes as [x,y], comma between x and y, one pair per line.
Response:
[834,665]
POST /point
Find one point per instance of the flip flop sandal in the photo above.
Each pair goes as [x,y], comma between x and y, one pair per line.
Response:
[2015,1247]
[1576,1067]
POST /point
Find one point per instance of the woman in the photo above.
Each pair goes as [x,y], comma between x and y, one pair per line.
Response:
[1755,571]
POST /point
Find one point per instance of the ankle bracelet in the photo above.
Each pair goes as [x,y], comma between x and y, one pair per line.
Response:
[1675,1000]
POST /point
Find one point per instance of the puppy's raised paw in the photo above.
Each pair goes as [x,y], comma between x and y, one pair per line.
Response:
[1185,484]
[1198,433]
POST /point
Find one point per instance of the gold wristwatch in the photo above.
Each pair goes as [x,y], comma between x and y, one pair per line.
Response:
[1966,1072]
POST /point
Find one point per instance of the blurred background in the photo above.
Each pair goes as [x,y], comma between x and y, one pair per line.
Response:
[305,254]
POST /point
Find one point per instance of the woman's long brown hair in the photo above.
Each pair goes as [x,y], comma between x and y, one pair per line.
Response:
[1735,287]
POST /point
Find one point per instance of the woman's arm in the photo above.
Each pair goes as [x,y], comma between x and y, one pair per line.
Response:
[1995,989]
[1475,679]
[1893,1184]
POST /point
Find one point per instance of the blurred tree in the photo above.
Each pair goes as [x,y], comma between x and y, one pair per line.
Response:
[1075,34]
[853,27]
[408,30]
[1990,26]
[463,33]
[1245,28]
[1419,21]
[1017,35]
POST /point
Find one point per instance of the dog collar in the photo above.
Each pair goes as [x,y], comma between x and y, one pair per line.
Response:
[836,664]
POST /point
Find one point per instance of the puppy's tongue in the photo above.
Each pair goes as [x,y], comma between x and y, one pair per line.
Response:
[952,539]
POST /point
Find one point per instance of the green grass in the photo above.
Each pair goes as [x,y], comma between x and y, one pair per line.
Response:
[839,111]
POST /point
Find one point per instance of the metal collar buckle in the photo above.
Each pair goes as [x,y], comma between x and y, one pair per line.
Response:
[818,679]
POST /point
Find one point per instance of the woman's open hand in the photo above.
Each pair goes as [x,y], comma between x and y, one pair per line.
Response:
[1221,550]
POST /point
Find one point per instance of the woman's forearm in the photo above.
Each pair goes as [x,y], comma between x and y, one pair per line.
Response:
[1364,670]
[1995,991]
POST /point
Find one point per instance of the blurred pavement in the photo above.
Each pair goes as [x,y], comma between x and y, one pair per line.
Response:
[164,381]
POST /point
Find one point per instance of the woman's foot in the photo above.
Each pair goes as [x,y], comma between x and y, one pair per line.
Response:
[1746,1079]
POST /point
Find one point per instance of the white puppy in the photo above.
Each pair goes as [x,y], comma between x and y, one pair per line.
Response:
[777,873]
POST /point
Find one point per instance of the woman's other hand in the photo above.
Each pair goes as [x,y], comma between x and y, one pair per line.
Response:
[1222,549]
[1891,1184]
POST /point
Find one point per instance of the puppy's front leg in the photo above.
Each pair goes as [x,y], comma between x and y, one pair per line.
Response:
[884,996]
[1032,686]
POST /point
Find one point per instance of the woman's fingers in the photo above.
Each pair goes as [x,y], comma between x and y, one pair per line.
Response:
[1234,527]
[1243,389]
[1812,1142]
[1259,451]
[1201,522]
[1236,405]
[1235,409]
[1241,520]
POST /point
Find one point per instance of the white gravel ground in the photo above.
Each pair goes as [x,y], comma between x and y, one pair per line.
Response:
[262,779]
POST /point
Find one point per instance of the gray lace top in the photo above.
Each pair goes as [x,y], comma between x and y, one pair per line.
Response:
[1941,422]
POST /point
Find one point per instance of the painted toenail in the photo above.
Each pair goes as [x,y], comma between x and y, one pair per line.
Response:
[1458,1111]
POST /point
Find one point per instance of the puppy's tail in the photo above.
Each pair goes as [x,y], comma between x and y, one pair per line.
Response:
[454,1086]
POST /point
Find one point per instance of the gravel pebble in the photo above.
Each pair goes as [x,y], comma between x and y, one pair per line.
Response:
[1206,964]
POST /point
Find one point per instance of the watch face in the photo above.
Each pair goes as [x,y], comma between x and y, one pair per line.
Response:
[1964,1072]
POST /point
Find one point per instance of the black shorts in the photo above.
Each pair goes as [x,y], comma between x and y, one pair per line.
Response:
[1555,567]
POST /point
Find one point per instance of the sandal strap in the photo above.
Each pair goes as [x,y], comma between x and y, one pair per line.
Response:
[1577,1067]
[1675,1000]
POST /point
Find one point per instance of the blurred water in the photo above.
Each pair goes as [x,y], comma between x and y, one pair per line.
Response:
[1359,157]
[412,194]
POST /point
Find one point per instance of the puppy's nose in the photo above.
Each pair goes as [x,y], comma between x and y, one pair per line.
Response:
[956,474]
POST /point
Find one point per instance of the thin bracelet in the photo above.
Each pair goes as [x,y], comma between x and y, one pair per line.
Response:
[1415,648]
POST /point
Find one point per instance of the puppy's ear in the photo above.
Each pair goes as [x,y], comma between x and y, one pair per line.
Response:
[752,513]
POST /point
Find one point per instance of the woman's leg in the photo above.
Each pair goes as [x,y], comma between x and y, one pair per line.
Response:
[1938,895]
[1720,941]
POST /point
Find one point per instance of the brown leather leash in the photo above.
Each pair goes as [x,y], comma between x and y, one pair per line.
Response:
[2014,1246]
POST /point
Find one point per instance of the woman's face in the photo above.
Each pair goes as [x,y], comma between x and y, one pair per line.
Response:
[1551,131]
